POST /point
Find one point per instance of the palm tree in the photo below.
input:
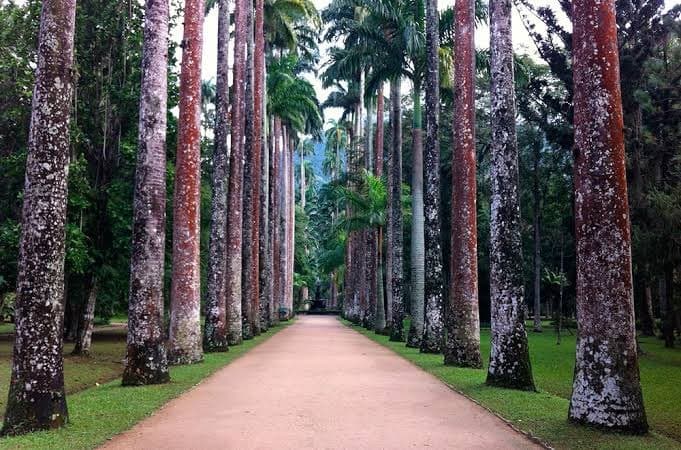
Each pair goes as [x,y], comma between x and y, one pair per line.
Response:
[249,268]
[261,187]
[394,223]
[509,364]
[462,347]
[235,193]
[607,387]
[336,137]
[433,334]
[307,146]
[215,330]
[36,395]
[146,360]
[185,301]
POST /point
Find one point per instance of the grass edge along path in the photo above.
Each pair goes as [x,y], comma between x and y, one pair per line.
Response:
[539,415]
[97,414]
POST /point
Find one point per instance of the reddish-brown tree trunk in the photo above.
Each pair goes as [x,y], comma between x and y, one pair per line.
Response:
[215,330]
[462,346]
[607,387]
[36,394]
[236,177]
[184,345]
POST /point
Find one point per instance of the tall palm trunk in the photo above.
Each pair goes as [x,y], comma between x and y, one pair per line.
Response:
[304,291]
[291,231]
[395,224]
[380,321]
[264,248]
[87,322]
[417,238]
[433,337]
[370,234]
[509,364]
[607,387]
[536,193]
[146,360]
[275,227]
[236,175]
[184,345]
[463,323]
[251,180]
[215,330]
[36,395]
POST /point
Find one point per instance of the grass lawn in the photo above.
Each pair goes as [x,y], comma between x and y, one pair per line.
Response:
[544,414]
[100,412]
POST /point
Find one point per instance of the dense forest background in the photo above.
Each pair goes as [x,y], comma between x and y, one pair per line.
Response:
[104,142]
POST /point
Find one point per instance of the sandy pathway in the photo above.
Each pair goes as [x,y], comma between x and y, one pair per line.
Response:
[320,385]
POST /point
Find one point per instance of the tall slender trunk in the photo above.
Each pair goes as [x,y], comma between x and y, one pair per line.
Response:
[264,241]
[607,387]
[304,291]
[395,198]
[184,345]
[260,150]
[463,322]
[291,232]
[536,194]
[418,246]
[509,364]
[284,225]
[380,322]
[87,322]
[215,330]
[236,176]
[647,315]
[370,234]
[146,359]
[433,339]
[667,299]
[251,179]
[275,225]
[36,394]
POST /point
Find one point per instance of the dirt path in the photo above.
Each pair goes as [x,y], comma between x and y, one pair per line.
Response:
[320,385]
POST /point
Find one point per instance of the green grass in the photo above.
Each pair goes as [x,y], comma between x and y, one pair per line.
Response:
[544,414]
[101,412]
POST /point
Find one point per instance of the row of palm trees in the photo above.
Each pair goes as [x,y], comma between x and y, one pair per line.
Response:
[250,272]
[385,41]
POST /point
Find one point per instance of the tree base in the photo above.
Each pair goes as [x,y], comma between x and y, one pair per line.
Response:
[463,360]
[181,357]
[635,428]
[511,382]
[146,365]
[29,411]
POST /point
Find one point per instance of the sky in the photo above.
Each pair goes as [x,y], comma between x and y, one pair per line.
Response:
[522,42]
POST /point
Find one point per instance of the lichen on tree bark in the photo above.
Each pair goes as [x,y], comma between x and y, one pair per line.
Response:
[185,341]
[215,330]
[607,389]
[462,347]
[36,398]
[509,364]
[434,333]
[146,359]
